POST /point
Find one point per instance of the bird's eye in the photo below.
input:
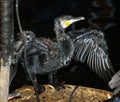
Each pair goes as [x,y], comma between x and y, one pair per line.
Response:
[28,39]
[67,62]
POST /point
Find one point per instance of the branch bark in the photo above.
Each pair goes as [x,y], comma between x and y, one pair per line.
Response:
[6,46]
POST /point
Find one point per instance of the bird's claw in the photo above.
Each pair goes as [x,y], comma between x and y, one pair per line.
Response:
[40,89]
[58,86]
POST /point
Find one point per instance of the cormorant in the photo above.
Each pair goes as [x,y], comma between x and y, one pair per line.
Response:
[45,56]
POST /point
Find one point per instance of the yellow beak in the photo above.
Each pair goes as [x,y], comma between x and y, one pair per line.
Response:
[66,23]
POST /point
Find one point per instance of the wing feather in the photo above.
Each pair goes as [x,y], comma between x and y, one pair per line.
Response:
[99,66]
[85,51]
[93,49]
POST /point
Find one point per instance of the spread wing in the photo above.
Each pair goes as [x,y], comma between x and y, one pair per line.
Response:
[91,47]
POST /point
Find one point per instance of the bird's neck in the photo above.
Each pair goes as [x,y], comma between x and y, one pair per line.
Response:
[65,45]
[60,35]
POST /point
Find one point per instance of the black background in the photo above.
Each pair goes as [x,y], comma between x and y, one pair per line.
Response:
[39,15]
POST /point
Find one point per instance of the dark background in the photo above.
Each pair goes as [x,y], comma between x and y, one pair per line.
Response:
[39,15]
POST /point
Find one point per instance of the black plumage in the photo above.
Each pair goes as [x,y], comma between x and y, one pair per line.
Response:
[46,56]
[90,46]
[86,44]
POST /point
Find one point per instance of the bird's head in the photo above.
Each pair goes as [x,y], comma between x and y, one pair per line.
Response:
[66,20]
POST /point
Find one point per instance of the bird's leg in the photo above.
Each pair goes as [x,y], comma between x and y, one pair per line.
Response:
[39,88]
[52,77]
[33,77]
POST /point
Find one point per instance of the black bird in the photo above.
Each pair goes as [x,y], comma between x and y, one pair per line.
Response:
[86,44]
[46,56]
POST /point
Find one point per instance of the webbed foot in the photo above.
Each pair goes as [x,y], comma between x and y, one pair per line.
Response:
[58,86]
